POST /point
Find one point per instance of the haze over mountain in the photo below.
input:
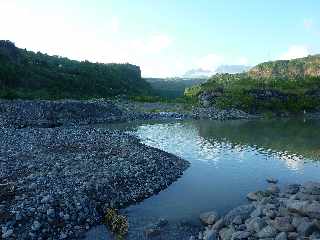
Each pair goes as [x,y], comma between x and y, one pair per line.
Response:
[202,73]
[232,69]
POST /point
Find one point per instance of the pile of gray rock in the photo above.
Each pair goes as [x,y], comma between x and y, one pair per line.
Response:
[55,183]
[20,113]
[293,213]
[213,113]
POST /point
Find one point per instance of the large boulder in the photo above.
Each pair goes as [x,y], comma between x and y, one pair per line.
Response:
[268,232]
[306,208]
[209,218]
[311,188]
[243,211]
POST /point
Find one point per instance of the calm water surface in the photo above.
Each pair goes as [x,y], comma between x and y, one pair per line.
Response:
[228,160]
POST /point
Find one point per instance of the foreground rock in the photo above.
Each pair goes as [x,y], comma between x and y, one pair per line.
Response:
[57,182]
[293,213]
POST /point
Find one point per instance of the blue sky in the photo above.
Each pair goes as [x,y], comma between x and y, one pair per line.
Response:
[165,37]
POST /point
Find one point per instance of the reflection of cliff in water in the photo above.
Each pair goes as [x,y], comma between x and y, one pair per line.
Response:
[292,137]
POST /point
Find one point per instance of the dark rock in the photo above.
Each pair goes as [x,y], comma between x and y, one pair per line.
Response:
[240,235]
[209,235]
[283,224]
[281,236]
[292,188]
[306,228]
[256,224]
[272,180]
[268,232]
[209,218]
[218,225]
[243,211]
[311,188]
[226,233]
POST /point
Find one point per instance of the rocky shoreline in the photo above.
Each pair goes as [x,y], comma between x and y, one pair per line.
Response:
[290,213]
[57,182]
[48,114]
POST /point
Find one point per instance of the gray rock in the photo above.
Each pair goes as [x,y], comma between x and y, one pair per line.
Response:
[281,236]
[237,220]
[283,224]
[218,225]
[292,188]
[63,236]
[240,235]
[7,234]
[36,226]
[293,235]
[296,220]
[66,217]
[257,212]
[273,189]
[268,232]
[226,233]
[306,228]
[209,218]
[18,216]
[243,211]
[256,224]
[209,235]
[272,180]
[152,231]
[311,188]
[51,212]
[315,235]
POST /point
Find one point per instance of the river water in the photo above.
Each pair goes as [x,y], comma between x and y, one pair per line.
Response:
[228,160]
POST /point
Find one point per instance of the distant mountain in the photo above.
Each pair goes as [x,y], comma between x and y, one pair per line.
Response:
[198,73]
[232,69]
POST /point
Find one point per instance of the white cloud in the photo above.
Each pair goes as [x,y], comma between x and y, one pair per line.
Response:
[243,61]
[114,24]
[209,62]
[308,23]
[295,51]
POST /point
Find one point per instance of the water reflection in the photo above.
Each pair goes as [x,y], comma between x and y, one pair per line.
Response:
[228,160]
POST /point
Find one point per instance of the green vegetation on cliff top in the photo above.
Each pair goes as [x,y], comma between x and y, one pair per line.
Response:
[279,85]
[26,74]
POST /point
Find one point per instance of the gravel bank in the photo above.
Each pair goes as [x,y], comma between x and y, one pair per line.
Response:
[293,213]
[38,113]
[57,182]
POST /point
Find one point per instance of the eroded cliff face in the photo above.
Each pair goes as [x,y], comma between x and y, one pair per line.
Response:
[296,68]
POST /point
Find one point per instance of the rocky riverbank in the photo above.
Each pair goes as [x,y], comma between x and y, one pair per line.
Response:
[290,213]
[55,183]
[47,114]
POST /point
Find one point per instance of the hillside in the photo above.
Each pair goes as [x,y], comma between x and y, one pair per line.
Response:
[26,74]
[288,69]
[292,86]
[172,87]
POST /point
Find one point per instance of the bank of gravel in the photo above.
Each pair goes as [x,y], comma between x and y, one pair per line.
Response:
[290,213]
[48,114]
[55,183]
